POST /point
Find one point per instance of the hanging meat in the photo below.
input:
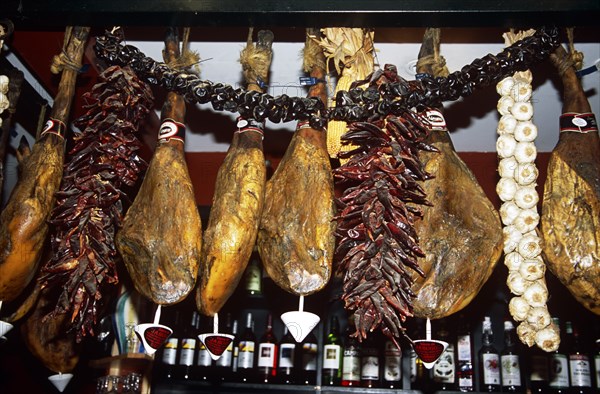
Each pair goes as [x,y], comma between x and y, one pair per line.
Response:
[571,205]
[461,233]
[161,236]
[296,234]
[239,193]
[24,220]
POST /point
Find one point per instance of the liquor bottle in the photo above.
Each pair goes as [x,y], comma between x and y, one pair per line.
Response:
[267,354]
[597,365]
[369,362]
[236,352]
[224,364]
[392,366]
[332,356]
[579,363]
[187,350]
[166,370]
[309,354]
[253,277]
[204,370]
[510,360]
[444,369]
[464,356]
[246,355]
[538,370]
[350,359]
[489,360]
[286,366]
[558,381]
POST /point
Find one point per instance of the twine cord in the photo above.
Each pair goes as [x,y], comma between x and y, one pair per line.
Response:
[63,61]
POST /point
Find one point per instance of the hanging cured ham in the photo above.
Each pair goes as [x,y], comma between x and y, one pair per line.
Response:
[24,220]
[161,236]
[571,205]
[296,234]
[239,196]
[460,233]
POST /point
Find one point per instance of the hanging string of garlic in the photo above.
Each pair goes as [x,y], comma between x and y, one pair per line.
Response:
[3,95]
[518,174]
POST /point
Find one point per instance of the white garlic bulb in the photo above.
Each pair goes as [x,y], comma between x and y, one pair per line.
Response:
[506,145]
[525,131]
[505,86]
[4,84]
[532,269]
[512,237]
[507,167]
[509,212]
[526,197]
[525,152]
[3,102]
[527,220]
[518,308]
[522,110]
[539,318]
[507,124]
[526,333]
[526,173]
[521,91]
[516,283]
[505,104]
[513,261]
[529,246]
[548,339]
[536,294]
[506,189]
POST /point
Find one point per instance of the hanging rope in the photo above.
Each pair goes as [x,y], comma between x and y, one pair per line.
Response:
[63,60]
[436,61]
[575,55]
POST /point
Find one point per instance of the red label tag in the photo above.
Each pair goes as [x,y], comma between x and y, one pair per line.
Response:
[579,123]
[171,129]
[217,344]
[428,351]
[54,126]
[155,337]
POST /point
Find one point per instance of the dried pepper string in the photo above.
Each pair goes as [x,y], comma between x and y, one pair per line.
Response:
[354,105]
[89,206]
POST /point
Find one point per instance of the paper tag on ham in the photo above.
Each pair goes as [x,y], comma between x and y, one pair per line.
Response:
[171,129]
[435,120]
[579,123]
[54,126]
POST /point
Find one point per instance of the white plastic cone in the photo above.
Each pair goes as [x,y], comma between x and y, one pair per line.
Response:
[216,344]
[5,327]
[60,380]
[153,335]
[300,323]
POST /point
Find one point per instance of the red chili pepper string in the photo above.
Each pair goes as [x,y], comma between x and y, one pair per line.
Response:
[90,203]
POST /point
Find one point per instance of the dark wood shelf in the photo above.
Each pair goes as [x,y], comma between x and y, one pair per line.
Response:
[375,13]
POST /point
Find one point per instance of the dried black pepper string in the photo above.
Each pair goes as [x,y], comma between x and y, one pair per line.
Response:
[356,105]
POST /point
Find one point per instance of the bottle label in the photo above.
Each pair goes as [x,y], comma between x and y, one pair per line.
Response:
[170,351]
[413,365]
[465,377]
[539,369]
[369,368]
[511,370]
[253,279]
[463,348]
[286,355]
[204,359]
[226,357]
[444,368]
[266,355]
[331,356]
[309,356]
[392,371]
[579,365]
[246,354]
[234,362]
[351,365]
[559,371]
[188,347]
[597,364]
[491,368]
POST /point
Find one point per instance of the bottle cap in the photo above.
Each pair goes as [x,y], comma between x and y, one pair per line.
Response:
[508,325]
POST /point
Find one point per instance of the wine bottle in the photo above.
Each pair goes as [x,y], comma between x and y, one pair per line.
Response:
[464,356]
[236,352]
[224,364]
[267,354]
[538,370]
[369,362]
[309,354]
[246,355]
[187,349]
[204,370]
[253,277]
[579,363]
[350,359]
[444,369]
[332,356]
[167,368]
[286,365]
[558,381]
[597,364]
[489,360]
[392,367]
[510,360]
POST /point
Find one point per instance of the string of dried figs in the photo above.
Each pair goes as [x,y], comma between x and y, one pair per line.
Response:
[354,105]
[377,242]
[89,206]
